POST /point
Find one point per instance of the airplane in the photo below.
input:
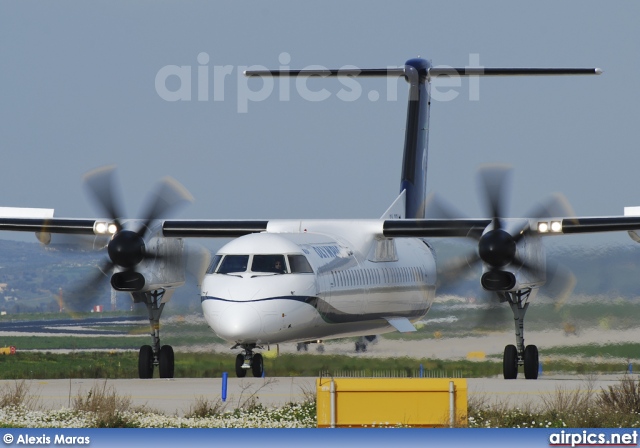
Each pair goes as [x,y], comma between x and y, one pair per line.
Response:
[298,280]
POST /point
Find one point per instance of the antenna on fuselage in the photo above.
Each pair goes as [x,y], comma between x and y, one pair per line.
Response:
[418,73]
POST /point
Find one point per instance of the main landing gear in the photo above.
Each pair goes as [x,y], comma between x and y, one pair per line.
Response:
[364,341]
[519,355]
[304,346]
[249,361]
[154,355]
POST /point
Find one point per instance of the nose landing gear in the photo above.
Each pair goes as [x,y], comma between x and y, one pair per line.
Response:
[249,361]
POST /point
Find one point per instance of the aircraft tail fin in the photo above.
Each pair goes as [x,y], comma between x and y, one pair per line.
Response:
[418,73]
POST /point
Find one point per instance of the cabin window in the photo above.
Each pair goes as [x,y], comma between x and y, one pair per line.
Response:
[269,263]
[299,264]
[233,263]
[215,261]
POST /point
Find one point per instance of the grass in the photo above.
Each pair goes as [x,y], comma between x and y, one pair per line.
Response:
[109,410]
[614,407]
[623,350]
[39,365]
[75,365]
[101,407]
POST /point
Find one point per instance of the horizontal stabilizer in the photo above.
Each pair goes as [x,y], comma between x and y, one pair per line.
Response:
[324,72]
[432,71]
[401,324]
[484,71]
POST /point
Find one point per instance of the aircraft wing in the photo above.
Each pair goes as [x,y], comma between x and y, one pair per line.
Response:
[417,228]
[429,228]
[207,228]
[408,228]
[49,225]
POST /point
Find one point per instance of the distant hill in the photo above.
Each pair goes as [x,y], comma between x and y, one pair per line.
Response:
[32,276]
[599,270]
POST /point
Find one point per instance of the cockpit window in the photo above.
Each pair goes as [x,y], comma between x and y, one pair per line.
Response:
[299,264]
[233,263]
[269,263]
[215,261]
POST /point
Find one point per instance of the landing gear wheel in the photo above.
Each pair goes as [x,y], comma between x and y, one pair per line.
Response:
[531,362]
[361,347]
[145,362]
[510,362]
[166,362]
[240,372]
[257,365]
[302,347]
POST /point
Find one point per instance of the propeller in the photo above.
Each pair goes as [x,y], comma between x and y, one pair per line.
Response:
[497,248]
[126,248]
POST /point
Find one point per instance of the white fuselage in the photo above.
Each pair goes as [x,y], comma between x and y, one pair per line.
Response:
[348,288]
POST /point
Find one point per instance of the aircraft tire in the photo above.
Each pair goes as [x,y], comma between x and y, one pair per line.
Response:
[531,362]
[510,362]
[240,372]
[166,362]
[257,365]
[145,362]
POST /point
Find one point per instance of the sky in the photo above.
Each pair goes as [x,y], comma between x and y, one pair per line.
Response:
[88,84]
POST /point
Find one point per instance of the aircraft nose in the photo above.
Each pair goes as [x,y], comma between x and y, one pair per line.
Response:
[238,322]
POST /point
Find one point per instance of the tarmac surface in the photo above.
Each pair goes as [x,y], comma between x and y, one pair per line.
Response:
[178,396]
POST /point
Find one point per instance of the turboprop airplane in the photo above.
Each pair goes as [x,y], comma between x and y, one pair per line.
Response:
[299,280]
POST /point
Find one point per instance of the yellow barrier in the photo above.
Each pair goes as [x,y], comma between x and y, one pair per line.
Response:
[476,355]
[414,402]
[8,350]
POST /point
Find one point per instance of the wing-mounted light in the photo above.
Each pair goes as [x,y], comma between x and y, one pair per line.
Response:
[105,228]
[545,227]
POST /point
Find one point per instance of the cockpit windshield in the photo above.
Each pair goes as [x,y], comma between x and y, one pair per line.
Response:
[271,264]
[215,261]
[299,264]
[233,263]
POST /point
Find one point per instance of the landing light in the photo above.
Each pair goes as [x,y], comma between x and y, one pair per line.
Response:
[543,227]
[553,226]
[105,228]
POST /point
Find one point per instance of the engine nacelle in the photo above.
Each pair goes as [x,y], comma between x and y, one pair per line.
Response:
[513,277]
[163,268]
[498,280]
[128,281]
